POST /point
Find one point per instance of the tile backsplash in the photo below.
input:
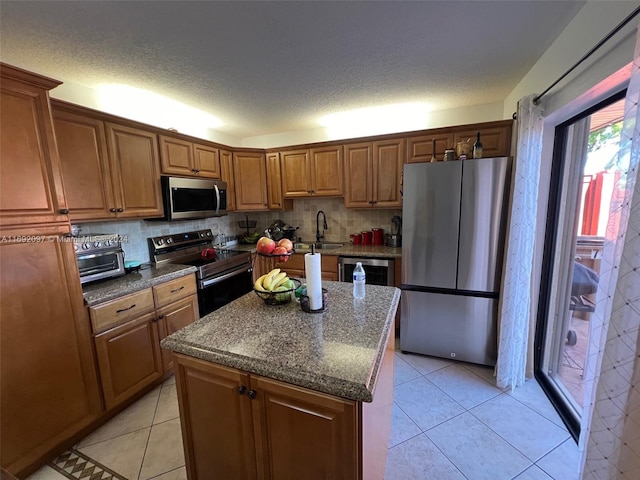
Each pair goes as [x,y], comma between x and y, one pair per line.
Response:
[340,220]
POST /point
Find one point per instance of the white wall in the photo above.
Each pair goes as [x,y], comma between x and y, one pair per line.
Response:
[486,112]
[590,25]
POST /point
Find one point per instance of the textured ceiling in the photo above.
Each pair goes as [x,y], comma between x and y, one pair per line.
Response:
[273,67]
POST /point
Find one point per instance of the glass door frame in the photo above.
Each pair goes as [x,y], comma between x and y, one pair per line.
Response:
[552,242]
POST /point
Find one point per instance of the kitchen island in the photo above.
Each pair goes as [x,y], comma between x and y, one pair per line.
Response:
[273,392]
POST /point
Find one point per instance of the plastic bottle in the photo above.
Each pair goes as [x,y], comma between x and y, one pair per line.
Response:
[358,281]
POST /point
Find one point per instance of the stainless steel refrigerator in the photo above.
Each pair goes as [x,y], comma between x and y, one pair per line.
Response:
[454,220]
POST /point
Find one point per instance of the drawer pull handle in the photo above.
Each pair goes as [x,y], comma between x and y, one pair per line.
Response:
[125,309]
[177,289]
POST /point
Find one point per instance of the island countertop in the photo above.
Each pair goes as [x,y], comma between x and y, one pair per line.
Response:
[338,352]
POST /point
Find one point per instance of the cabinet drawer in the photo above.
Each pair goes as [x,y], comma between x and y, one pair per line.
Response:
[118,311]
[169,292]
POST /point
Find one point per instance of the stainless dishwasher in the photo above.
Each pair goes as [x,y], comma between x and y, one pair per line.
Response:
[379,271]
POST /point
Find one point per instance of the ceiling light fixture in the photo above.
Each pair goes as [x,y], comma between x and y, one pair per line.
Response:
[400,117]
[155,109]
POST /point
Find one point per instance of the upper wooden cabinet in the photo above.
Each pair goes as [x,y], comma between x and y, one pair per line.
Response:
[274,184]
[495,138]
[373,174]
[30,178]
[420,148]
[133,157]
[314,172]
[82,145]
[226,174]
[250,181]
[181,157]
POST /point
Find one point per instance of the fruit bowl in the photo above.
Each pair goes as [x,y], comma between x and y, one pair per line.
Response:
[278,298]
[275,255]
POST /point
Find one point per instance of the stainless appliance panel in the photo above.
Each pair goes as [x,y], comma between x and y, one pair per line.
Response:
[431,212]
[449,326]
[378,271]
[485,187]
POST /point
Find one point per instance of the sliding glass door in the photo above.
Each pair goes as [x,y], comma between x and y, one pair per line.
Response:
[584,175]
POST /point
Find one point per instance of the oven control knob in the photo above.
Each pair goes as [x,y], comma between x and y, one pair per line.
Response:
[86,246]
[76,247]
[209,233]
[169,240]
[108,243]
[160,241]
[97,244]
[201,234]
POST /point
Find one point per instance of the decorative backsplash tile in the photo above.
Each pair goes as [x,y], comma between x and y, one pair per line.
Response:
[340,220]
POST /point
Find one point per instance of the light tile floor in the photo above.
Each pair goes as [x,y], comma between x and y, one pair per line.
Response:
[449,422]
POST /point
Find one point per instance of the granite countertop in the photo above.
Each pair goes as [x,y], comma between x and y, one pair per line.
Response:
[347,250]
[105,290]
[338,352]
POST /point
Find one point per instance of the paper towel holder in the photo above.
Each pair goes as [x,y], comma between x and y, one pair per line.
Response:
[306,307]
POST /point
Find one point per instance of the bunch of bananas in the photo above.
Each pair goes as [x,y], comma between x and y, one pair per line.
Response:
[274,281]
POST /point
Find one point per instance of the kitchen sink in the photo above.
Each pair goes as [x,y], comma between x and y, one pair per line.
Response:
[318,246]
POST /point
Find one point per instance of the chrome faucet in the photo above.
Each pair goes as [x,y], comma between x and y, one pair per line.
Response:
[324,225]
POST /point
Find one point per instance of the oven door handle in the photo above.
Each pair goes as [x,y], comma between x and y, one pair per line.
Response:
[217,198]
[213,281]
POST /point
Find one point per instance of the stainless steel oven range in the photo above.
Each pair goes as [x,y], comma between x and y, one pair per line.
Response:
[220,279]
[99,256]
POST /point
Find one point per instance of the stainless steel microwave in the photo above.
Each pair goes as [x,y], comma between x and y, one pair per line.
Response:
[186,198]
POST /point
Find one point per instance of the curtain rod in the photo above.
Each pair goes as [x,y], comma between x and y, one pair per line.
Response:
[536,100]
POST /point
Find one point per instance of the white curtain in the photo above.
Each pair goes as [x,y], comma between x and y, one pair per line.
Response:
[611,417]
[516,291]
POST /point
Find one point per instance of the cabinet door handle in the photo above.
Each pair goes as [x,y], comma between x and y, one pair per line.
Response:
[113,210]
[242,390]
[160,317]
[177,289]
[121,210]
[64,211]
[125,309]
[252,394]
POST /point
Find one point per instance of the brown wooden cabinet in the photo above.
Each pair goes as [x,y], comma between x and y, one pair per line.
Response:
[250,181]
[420,148]
[274,184]
[128,331]
[86,173]
[269,429]
[295,266]
[129,358]
[373,174]
[495,137]
[181,157]
[133,157]
[48,382]
[314,172]
[49,388]
[226,174]
[31,189]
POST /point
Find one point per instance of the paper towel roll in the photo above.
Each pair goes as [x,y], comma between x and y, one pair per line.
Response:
[313,273]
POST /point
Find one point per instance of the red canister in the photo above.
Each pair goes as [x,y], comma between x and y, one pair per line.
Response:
[367,237]
[356,238]
[378,236]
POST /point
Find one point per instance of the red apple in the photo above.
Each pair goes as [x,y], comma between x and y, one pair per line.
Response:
[286,243]
[265,245]
[281,251]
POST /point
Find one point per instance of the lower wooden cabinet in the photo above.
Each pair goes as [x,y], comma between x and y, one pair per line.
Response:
[128,348]
[242,426]
[295,266]
[48,383]
[129,358]
[172,318]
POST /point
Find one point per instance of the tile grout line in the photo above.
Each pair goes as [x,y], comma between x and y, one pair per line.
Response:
[155,412]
